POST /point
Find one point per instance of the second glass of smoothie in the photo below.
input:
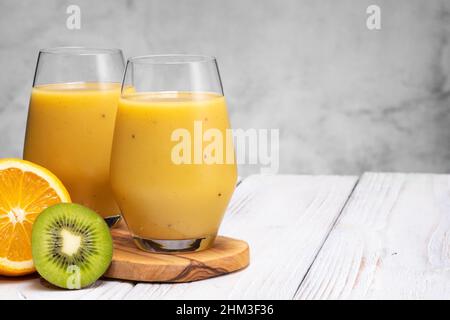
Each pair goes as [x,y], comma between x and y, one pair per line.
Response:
[71,120]
[172,167]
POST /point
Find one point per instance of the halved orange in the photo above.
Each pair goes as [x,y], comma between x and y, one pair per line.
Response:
[26,189]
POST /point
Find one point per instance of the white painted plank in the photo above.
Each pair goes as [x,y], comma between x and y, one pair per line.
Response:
[34,288]
[285,219]
[392,241]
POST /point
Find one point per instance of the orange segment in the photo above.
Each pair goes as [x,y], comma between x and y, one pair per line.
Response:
[26,189]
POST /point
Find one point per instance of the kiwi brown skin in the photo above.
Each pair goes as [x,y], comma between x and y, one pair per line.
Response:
[71,245]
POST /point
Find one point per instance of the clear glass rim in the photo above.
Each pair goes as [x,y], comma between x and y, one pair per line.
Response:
[80,51]
[161,59]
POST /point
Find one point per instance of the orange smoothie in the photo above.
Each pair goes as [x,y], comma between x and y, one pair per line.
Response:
[160,199]
[69,131]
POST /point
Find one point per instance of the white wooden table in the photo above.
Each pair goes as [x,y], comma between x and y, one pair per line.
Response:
[380,236]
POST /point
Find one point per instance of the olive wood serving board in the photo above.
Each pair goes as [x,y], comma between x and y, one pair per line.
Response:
[130,263]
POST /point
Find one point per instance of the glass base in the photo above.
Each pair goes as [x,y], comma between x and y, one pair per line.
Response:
[111,221]
[174,246]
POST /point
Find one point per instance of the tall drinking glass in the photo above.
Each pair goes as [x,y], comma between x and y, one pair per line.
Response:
[71,119]
[172,167]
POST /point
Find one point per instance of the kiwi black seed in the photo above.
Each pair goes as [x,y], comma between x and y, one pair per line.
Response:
[71,245]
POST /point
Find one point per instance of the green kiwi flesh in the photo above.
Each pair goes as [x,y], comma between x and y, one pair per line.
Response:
[71,245]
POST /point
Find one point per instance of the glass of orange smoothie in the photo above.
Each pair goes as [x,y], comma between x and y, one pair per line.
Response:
[172,166]
[71,119]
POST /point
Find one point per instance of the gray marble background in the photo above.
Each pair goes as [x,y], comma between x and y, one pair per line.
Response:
[345,99]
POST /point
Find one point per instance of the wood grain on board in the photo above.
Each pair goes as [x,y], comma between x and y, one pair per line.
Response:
[130,263]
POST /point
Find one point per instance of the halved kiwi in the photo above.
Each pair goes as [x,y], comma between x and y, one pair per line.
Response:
[71,245]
